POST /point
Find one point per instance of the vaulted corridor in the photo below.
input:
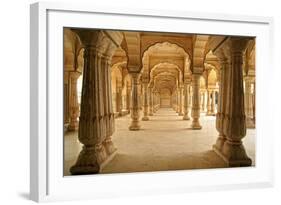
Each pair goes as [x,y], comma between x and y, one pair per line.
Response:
[165,142]
[148,101]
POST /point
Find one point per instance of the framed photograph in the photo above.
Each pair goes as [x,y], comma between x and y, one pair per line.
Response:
[131,102]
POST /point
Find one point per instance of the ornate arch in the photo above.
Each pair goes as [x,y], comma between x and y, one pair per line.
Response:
[167,64]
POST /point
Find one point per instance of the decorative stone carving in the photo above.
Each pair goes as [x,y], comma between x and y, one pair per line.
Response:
[186,102]
[135,102]
[222,100]
[180,100]
[96,122]
[233,116]
[195,102]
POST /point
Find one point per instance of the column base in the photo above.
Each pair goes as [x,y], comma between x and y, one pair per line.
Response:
[134,126]
[86,163]
[185,117]
[233,155]
[92,161]
[150,114]
[209,113]
[145,118]
[196,125]
[180,114]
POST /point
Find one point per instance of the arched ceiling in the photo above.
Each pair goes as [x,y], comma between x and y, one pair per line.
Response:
[167,55]
[199,52]
[159,57]
[165,75]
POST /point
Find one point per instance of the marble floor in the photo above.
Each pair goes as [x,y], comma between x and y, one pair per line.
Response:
[165,142]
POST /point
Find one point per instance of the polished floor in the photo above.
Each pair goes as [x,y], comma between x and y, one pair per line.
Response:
[165,142]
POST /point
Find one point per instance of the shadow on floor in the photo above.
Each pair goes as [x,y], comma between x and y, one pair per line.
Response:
[126,163]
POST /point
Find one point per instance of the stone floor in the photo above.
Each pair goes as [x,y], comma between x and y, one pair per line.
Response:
[165,142]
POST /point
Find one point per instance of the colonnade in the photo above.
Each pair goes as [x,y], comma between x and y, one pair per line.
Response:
[97,112]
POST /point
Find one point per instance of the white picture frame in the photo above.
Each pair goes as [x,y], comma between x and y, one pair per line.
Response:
[47,182]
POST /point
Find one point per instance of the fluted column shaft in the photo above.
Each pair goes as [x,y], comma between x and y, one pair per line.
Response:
[203,101]
[145,103]
[180,100]
[96,119]
[119,99]
[128,98]
[195,102]
[135,104]
[213,93]
[209,107]
[150,112]
[177,100]
[186,102]
[220,116]
[234,121]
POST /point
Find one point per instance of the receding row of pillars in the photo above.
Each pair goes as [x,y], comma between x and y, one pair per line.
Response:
[121,103]
[96,122]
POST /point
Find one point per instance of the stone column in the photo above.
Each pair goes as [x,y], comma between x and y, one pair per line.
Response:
[203,101]
[195,113]
[96,122]
[234,120]
[154,101]
[145,105]
[74,106]
[213,93]
[248,104]
[128,98]
[150,112]
[209,107]
[66,94]
[254,104]
[135,104]
[220,116]
[177,100]
[124,105]
[190,96]
[186,102]
[119,98]
[180,100]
